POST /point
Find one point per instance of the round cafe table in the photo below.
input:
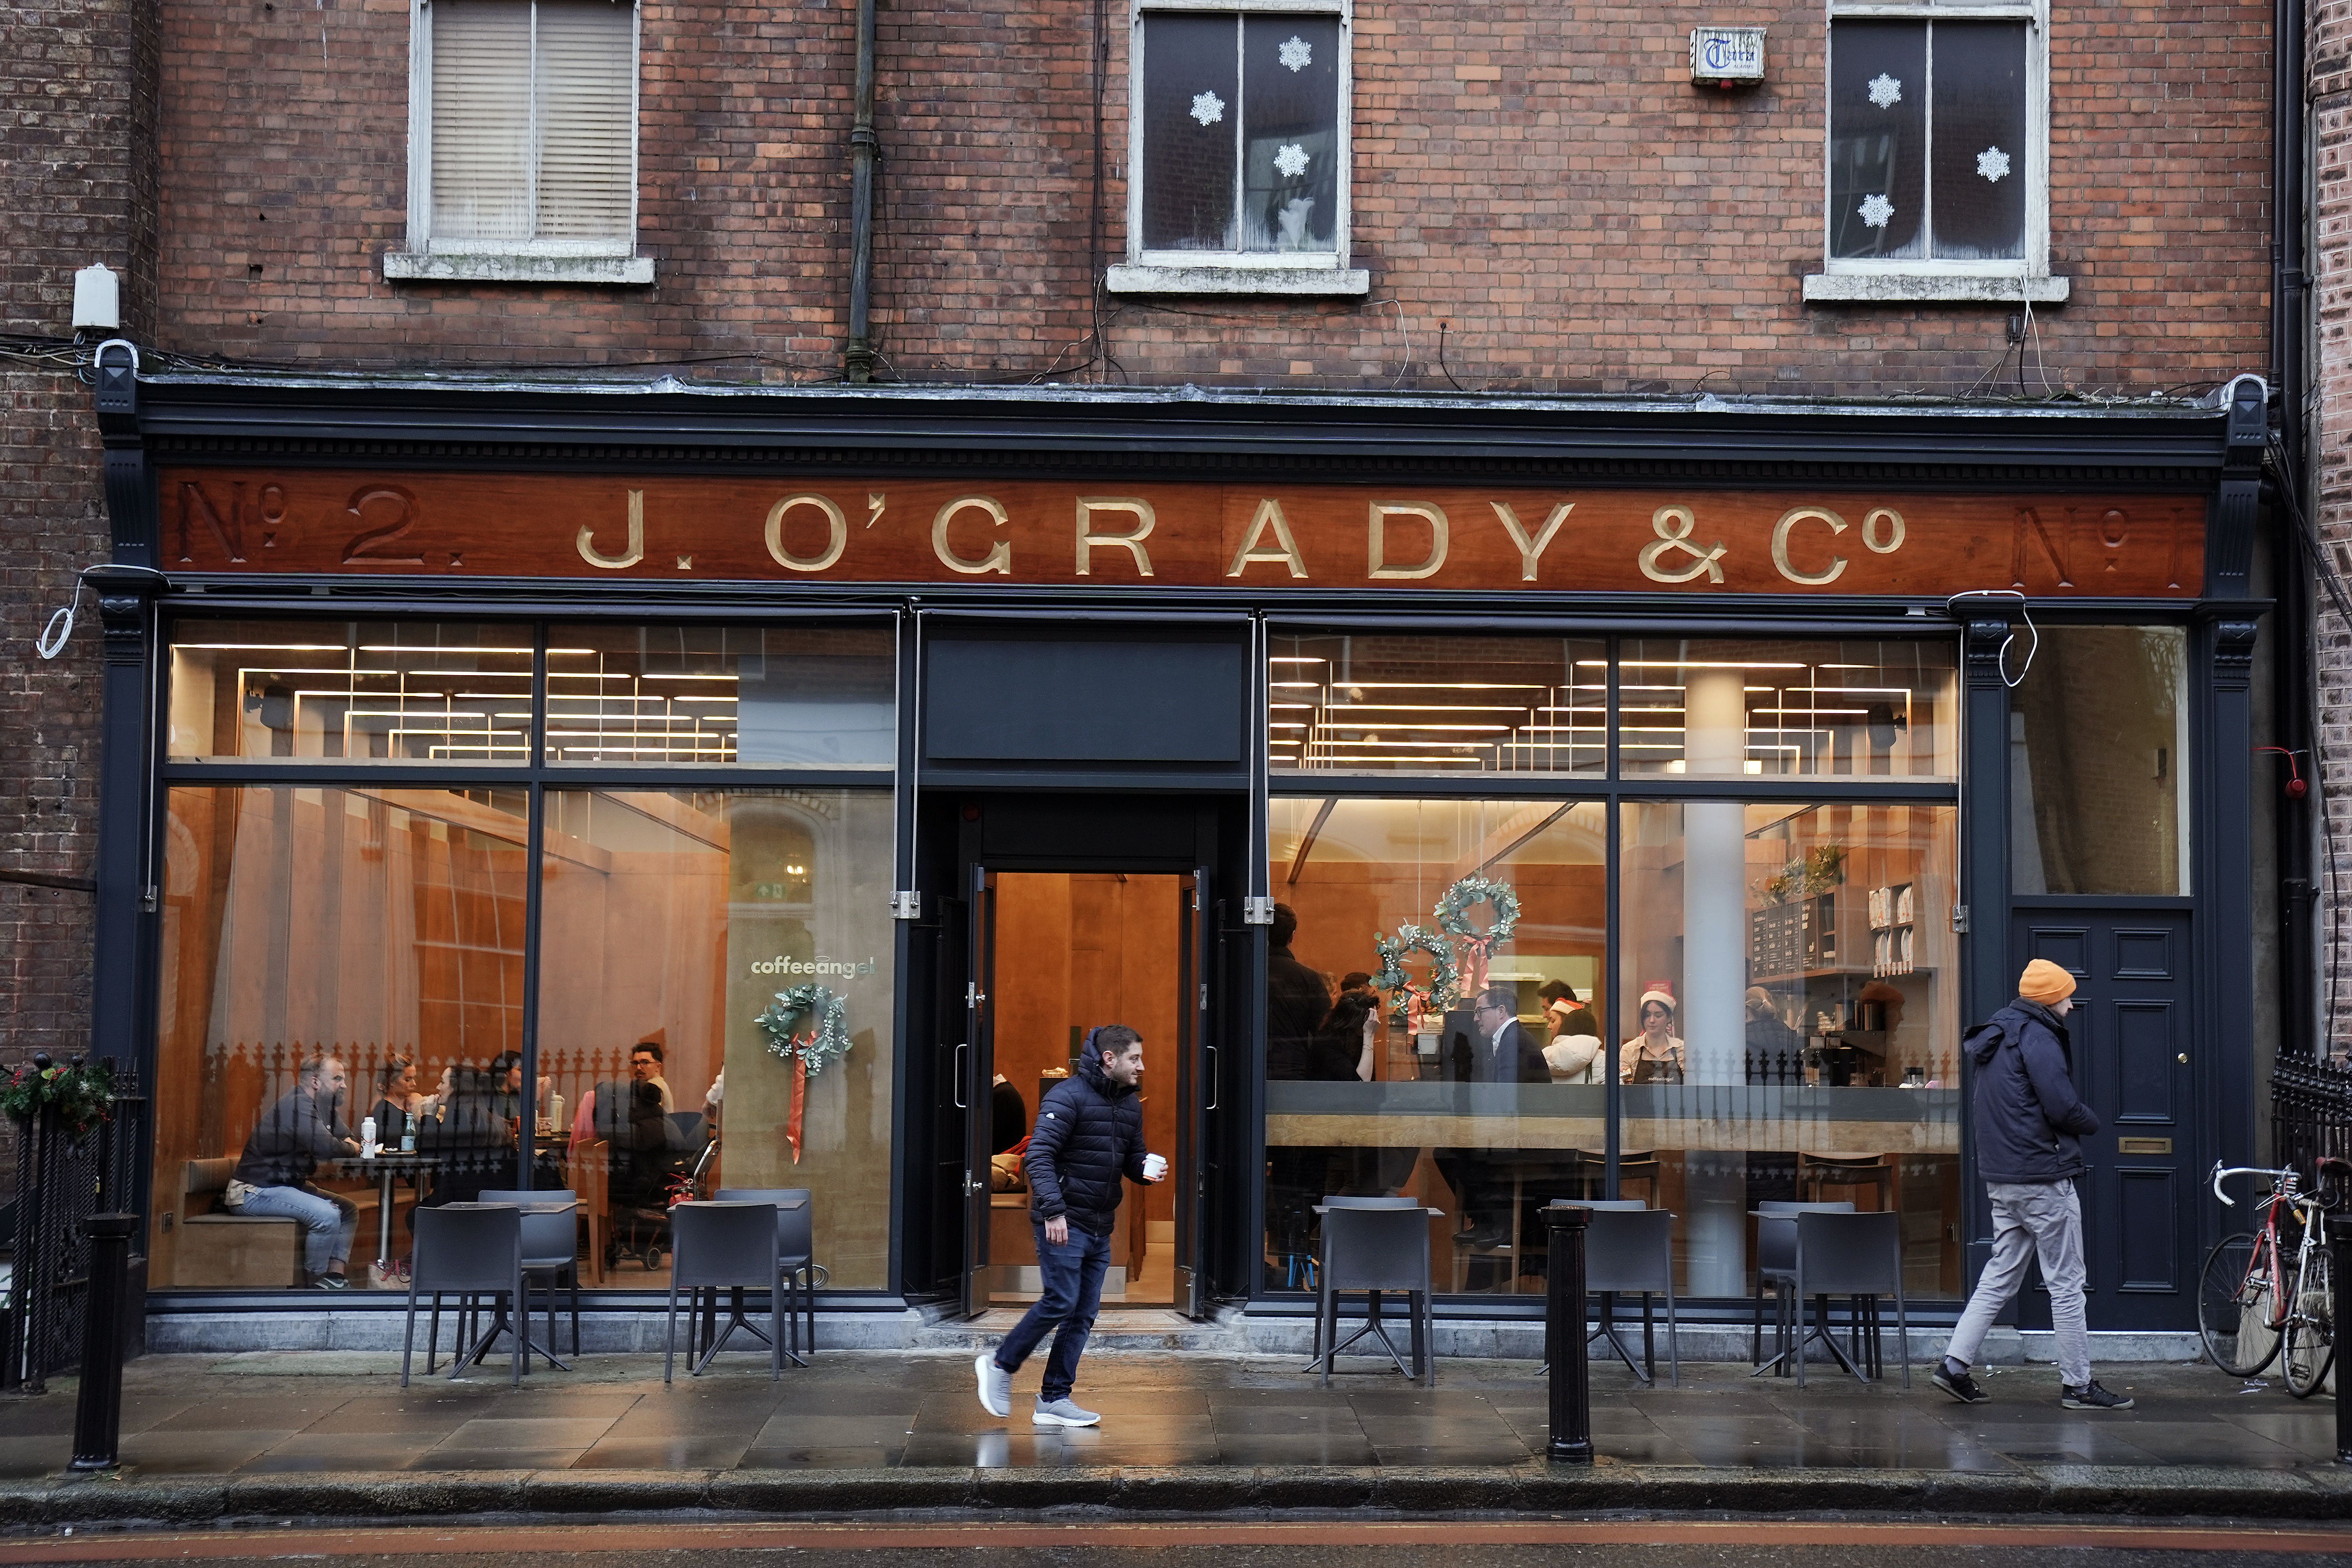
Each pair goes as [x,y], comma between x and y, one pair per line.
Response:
[386,1166]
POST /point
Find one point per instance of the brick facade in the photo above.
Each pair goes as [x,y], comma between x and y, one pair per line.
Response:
[1543,200]
[1543,188]
[2329,85]
[76,185]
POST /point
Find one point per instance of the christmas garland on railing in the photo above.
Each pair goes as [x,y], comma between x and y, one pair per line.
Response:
[827,1039]
[81,1094]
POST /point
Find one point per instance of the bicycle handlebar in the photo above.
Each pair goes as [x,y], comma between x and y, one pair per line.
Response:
[2220,1175]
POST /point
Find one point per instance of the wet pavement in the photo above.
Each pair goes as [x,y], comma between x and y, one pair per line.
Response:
[345,1413]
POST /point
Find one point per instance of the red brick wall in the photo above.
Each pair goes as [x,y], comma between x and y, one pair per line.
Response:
[2328,53]
[1541,184]
[73,168]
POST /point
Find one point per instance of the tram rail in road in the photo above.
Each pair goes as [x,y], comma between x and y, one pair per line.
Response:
[1300,1541]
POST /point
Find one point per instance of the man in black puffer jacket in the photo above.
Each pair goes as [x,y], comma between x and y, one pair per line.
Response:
[1089,1139]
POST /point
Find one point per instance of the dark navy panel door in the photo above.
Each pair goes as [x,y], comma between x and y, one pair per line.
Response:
[2133,1045]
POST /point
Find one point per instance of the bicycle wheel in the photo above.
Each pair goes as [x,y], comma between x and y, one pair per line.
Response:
[2233,1308]
[2310,1339]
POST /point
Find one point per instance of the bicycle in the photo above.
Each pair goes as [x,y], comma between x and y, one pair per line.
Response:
[2255,1300]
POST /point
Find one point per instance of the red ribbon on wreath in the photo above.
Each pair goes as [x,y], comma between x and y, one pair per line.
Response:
[800,1097]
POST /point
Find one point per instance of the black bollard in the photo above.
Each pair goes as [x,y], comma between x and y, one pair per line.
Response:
[2339,1236]
[1572,1372]
[98,1417]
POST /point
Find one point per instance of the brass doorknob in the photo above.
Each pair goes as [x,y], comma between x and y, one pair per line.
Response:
[2182,1059]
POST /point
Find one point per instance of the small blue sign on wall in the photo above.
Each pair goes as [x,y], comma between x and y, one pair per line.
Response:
[1720,57]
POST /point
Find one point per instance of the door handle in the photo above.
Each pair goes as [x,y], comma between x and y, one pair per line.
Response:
[1212,1078]
[2182,1059]
[972,1186]
[955,1072]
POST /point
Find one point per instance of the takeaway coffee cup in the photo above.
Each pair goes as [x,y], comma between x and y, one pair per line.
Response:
[1154,1167]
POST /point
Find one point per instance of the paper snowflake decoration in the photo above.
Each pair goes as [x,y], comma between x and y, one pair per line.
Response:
[1875,211]
[1291,160]
[1296,53]
[1884,90]
[1208,107]
[1992,164]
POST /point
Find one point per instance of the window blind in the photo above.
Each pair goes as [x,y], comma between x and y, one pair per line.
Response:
[534,129]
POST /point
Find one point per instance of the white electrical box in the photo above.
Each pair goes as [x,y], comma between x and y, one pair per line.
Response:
[98,299]
[1726,57]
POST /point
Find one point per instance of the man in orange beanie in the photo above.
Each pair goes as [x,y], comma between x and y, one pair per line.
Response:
[2028,1123]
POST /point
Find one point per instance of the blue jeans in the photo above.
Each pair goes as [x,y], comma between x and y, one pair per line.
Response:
[1073,1274]
[328,1223]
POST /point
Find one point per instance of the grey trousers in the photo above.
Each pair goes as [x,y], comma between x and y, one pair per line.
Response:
[2031,1219]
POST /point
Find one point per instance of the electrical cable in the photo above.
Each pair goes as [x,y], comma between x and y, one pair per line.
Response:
[2024,608]
[54,636]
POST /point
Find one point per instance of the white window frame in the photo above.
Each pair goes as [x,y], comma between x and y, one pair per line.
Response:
[2026,279]
[428,259]
[1231,271]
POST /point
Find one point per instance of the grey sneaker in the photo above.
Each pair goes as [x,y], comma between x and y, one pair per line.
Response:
[1960,1386]
[2091,1397]
[995,1385]
[1062,1412]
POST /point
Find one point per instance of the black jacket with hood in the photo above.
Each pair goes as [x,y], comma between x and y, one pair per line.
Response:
[1089,1136]
[2027,1117]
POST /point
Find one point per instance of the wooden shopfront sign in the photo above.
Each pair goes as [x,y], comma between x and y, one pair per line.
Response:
[1182,535]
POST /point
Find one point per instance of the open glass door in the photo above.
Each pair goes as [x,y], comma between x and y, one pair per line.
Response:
[1196,1092]
[975,1073]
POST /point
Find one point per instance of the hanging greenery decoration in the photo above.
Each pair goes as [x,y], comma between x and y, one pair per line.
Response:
[1453,911]
[1407,997]
[81,1094]
[827,1039]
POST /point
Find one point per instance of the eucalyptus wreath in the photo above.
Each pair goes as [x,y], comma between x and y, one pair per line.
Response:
[1393,977]
[1453,910]
[782,1020]
[81,1094]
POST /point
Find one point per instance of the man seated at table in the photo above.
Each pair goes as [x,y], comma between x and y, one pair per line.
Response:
[272,1179]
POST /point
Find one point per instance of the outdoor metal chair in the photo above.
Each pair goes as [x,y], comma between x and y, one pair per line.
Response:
[718,1245]
[470,1250]
[1370,1246]
[550,1247]
[796,1251]
[1776,1265]
[1858,1255]
[1629,1248]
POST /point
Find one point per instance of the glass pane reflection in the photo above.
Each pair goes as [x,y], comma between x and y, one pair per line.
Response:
[1788,1027]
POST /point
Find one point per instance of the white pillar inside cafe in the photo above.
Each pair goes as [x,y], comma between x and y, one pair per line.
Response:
[1712,1017]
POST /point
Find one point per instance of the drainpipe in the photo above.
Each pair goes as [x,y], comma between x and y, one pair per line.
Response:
[2289,339]
[865,148]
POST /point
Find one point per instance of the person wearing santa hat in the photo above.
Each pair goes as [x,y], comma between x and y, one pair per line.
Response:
[1655,1055]
[2028,1124]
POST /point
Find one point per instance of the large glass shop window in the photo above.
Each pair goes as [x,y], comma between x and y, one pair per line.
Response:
[1786,1012]
[1757,708]
[2098,730]
[389,691]
[1432,1028]
[1392,703]
[712,964]
[720,962]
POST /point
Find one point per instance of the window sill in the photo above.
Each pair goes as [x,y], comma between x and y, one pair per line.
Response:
[1211,279]
[1894,288]
[504,267]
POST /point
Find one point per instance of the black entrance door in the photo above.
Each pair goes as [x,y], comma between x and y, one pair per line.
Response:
[2132,1039]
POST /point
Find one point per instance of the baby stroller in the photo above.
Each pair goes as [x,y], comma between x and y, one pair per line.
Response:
[641,1221]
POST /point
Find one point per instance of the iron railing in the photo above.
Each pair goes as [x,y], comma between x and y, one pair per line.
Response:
[61,1181]
[2311,1113]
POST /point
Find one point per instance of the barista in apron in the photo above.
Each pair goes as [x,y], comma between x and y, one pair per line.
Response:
[1655,1055]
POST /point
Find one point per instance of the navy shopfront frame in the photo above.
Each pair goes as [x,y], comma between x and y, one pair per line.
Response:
[196,421]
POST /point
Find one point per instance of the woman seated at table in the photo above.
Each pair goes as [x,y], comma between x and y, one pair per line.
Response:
[471,1145]
[397,1099]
